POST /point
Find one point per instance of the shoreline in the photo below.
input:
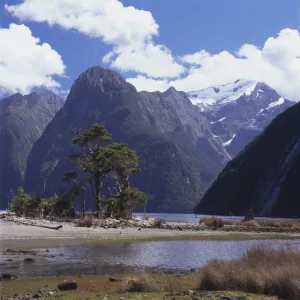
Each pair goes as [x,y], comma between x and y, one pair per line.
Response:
[20,236]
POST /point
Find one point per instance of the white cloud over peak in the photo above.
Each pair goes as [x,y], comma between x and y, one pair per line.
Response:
[129,30]
[25,63]
[277,64]
[143,83]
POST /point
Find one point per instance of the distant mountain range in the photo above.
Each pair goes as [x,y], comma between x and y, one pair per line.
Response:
[183,140]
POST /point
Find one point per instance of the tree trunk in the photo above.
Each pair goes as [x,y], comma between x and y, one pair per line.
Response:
[98,197]
[123,207]
[83,200]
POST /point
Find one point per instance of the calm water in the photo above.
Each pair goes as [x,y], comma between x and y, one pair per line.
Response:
[189,217]
[123,257]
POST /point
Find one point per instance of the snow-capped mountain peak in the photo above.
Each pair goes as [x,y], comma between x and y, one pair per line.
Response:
[222,94]
[239,111]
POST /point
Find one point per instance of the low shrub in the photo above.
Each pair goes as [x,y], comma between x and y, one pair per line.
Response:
[84,222]
[279,224]
[212,222]
[260,270]
[159,223]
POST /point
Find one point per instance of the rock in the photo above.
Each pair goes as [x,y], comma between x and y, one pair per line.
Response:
[7,276]
[140,229]
[9,259]
[241,298]
[225,298]
[29,260]
[36,296]
[115,279]
[67,286]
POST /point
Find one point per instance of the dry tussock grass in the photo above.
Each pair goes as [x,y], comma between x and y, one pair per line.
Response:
[145,282]
[212,222]
[260,270]
[85,222]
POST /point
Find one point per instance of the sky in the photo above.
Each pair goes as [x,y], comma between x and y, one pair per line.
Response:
[188,44]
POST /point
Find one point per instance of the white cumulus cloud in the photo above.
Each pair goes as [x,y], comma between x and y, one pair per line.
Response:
[129,30]
[277,64]
[25,62]
[143,83]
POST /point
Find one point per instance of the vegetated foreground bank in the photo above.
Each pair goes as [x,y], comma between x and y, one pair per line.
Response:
[260,271]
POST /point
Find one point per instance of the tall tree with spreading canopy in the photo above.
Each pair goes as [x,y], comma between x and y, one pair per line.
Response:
[121,162]
[110,165]
[91,141]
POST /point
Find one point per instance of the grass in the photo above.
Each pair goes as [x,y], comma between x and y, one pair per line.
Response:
[96,287]
[260,270]
[258,226]
[199,237]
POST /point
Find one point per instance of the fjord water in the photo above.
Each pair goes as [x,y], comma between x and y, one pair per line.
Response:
[116,258]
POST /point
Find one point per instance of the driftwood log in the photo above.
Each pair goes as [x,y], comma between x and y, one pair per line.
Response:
[36,225]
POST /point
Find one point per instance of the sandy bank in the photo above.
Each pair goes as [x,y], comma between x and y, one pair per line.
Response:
[14,235]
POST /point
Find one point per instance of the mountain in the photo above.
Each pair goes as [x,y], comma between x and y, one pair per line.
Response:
[22,122]
[239,111]
[265,176]
[179,156]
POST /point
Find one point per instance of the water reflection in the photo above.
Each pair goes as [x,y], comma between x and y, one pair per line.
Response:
[117,258]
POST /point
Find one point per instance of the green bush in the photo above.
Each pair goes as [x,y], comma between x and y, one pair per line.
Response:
[26,205]
[30,205]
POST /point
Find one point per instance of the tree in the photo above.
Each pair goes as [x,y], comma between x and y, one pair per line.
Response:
[123,162]
[110,167]
[80,184]
[91,141]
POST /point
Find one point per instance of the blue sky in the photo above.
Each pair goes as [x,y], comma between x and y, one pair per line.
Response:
[185,28]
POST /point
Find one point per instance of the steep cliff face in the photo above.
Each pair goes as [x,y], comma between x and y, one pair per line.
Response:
[265,176]
[179,157]
[22,122]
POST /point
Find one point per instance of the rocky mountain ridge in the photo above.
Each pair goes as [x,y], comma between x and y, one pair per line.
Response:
[179,156]
[22,122]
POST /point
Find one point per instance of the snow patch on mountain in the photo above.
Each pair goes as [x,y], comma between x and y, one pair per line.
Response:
[280,101]
[222,94]
[229,141]
[220,120]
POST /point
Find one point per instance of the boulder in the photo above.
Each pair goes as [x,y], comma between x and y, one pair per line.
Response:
[115,279]
[7,276]
[67,286]
[29,260]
